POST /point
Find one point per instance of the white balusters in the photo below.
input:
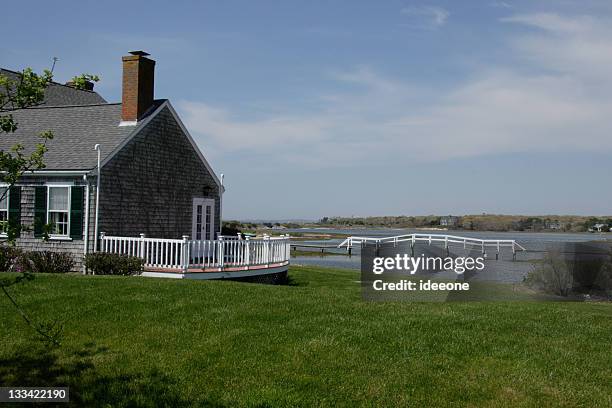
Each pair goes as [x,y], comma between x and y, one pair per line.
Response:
[183,254]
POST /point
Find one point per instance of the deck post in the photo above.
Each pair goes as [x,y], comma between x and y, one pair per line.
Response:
[267,249]
[247,251]
[101,249]
[221,254]
[186,255]
[141,246]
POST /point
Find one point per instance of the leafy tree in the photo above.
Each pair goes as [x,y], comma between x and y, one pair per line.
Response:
[80,81]
[231,228]
[26,91]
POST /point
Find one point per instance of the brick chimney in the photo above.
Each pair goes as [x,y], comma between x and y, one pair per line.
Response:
[138,84]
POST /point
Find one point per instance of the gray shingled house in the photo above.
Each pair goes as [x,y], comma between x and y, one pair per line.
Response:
[125,168]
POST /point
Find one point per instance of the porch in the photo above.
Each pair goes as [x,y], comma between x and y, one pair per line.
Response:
[223,258]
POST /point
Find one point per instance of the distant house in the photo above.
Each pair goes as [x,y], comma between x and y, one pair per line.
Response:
[449,221]
[125,169]
[599,228]
[553,225]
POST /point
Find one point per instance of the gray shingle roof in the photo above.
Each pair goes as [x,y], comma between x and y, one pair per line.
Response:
[78,119]
[76,130]
[57,94]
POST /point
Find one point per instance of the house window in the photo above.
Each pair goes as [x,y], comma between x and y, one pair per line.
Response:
[4,209]
[59,210]
[208,220]
[199,222]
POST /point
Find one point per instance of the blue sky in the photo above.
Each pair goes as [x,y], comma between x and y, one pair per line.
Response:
[322,108]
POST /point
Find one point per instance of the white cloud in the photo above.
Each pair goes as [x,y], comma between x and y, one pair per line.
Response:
[427,16]
[506,113]
[579,46]
[561,100]
[553,22]
[230,134]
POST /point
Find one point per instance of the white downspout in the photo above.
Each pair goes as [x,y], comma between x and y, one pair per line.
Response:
[86,243]
[221,205]
[97,147]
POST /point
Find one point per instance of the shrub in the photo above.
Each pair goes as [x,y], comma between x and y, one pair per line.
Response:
[588,270]
[230,228]
[113,264]
[603,281]
[44,262]
[8,257]
[554,275]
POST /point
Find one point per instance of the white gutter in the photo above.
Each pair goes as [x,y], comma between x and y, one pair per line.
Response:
[97,147]
[56,172]
[86,243]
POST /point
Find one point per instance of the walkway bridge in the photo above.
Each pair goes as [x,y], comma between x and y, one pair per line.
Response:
[484,245]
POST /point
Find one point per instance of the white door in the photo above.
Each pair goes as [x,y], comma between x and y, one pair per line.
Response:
[203,227]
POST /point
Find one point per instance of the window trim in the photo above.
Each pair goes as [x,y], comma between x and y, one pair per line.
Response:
[60,237]
[3,234]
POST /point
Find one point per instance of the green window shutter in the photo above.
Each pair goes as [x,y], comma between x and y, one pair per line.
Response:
[14,207]
[76,212]
[40,210]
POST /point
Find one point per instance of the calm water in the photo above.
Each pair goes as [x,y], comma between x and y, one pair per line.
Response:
[519,236]
[504,269]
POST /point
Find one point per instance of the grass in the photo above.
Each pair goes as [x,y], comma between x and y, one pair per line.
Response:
[154,342]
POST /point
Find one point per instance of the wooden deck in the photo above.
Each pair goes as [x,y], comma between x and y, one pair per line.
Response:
[203,259]
[227,272]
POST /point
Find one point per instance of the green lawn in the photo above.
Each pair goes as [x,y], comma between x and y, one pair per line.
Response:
[150,342]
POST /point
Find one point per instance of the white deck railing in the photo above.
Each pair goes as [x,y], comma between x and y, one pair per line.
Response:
[483,244]
[187,254]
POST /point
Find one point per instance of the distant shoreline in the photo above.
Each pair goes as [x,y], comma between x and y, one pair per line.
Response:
[438,229]
[478,223]
[444,229]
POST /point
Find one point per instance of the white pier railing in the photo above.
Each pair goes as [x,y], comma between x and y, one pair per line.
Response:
[183,254]
[483,244]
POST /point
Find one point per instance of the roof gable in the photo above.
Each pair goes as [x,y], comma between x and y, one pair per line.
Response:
[143,124]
